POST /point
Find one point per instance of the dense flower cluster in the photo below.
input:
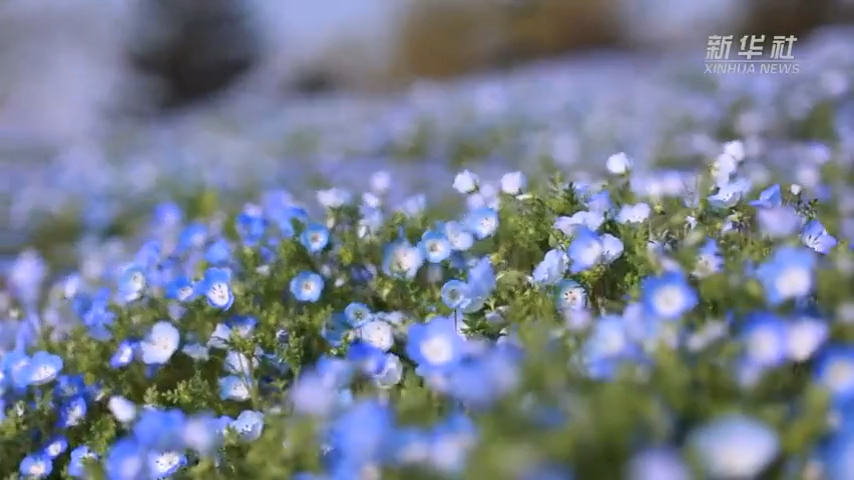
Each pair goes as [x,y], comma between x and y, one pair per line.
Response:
[653,323]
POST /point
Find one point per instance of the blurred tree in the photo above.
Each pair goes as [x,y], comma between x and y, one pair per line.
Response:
[445,38]
[194,48]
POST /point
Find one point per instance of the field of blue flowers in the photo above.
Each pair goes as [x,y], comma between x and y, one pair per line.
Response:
[575,271]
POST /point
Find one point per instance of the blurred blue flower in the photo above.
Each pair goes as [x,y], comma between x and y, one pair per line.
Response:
[735,446]
[307,287]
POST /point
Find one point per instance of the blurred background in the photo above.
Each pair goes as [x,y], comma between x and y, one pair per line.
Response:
[64,66]
[72,74]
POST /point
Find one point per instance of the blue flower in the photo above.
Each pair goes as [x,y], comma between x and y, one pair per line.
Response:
[36,466]
[514,183]
[249,425]
[600,202]
[77,466]
[768,198]
[238,363]
[250,227]
[456,295]
[160,429]
[55,447]
[42,368]
[192,237]
[284,217]
[481,282]
[483,222]
[12,364]
[242,325]
[215,287]
[458,236]
[196,351]
[552,268]
[218,253]
[402,260]
[787,275]
[312,394]
[148,255]
[435,246]
[235,388]
[612,247]
[657,463]
[72,412]
[481,381]
[633,214]
[571,296]
[835,372]
[336,329]
[125,460]
[124,354]
[735,446]
[805,337]
[358,314]
[98,320]
[307,287]
[122,409]
[708,260]
[779,222]
[27,333]
[164,464]
[359,435]
[668,296]
[378,334]
[456,433]
[816,237]
[361,274]
[466,182]
[161,343]
[585,250]
[68,386]
[390,372]
[167,215]
[368,358]
[315,237]
[765,339]
[591,220]
[730,194]
[435,344]
[203,432]
[607,348]
[333,198]
[838,455]
[132,283]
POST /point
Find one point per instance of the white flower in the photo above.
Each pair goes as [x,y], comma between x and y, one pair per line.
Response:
[333,197]
[619,164]
[466,182]
[380,182]
[123,409]
[805,337]
[161,343]
[736,150]
[637,213]
[513,183]
[378,334]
